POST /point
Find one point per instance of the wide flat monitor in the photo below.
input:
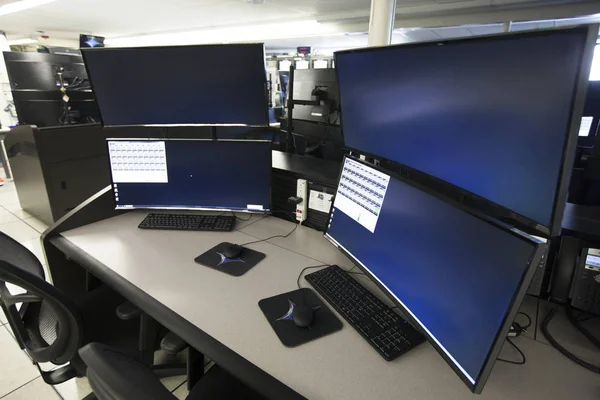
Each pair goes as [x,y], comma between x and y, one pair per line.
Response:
[180,85]
[456,277]
[496,116]
[191,174]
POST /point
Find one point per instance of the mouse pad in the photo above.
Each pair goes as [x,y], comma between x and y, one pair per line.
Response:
[278,311]
[215,259]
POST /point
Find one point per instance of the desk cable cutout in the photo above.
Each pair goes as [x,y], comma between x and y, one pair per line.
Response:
[565,352]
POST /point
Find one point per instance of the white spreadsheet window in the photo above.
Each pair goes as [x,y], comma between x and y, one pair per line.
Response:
[138,162]
[361,192]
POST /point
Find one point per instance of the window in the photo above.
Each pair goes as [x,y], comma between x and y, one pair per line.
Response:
[595,74]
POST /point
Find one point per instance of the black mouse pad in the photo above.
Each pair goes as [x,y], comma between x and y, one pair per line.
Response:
[215,259]
[278,311]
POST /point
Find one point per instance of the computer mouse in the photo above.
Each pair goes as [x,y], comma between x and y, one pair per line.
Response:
[303,316]
[233,251]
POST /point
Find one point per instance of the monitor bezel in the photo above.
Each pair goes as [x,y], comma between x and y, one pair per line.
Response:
[158,207]
[265,82]
[513,309]
[568,154]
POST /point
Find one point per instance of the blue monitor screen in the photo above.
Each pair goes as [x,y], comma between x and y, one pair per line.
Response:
[490,116]
[191,174]
[180,85]
[455,274]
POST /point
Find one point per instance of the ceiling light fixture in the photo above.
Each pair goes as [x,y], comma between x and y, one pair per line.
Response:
[254,33]
[254,1]
[17,42]
[22,5]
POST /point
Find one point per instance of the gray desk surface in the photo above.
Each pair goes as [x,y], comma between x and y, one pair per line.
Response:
[339,366]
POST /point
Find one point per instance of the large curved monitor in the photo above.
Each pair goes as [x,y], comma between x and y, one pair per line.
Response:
[458,278]
[497,116]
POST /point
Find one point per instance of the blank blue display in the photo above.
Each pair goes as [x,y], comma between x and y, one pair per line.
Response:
[457,274]
[230,175]
[489,116]
[211,84]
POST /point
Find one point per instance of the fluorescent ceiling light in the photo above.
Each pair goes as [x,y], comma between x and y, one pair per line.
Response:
[21,41]
[22,5]
[254,33]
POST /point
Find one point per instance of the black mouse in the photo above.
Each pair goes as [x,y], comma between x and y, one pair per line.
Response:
[232,251]
[303,316]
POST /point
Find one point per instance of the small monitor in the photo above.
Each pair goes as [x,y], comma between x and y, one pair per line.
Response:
[90,41]
[458,278]
[191,174]
[180,85]
[586,126]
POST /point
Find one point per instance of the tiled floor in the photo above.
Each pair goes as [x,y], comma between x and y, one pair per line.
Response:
[19,378]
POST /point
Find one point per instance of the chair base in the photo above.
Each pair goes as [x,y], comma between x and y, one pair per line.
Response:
[59,375]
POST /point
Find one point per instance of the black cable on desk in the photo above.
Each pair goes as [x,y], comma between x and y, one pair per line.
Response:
[242,219]
[561,349]
[577,324]
[305,269]
[523,327]
[523,361]
[272,237]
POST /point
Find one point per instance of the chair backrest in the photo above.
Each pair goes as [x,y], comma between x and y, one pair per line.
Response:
[46,323]
[113,375]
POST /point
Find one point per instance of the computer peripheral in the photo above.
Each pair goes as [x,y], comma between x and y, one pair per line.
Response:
[188,222]
[233,251]
[385,330]
[438,263]
[303,316]
[529,68]
[191,174]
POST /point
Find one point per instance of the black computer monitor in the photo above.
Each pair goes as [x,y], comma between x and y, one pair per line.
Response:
[90,41]
[180,85]
[456,277]
[191,174]
[497,116]
[318,86]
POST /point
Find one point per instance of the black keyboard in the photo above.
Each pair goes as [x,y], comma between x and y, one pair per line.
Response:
[385,330]
[188,222]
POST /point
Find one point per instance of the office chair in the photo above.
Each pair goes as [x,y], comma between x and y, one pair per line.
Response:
[50,326]
[115,376]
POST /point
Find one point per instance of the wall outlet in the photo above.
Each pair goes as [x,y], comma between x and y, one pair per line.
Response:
[302,208]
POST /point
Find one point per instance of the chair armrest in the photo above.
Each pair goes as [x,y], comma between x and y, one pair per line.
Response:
[173,344]
[128,311]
